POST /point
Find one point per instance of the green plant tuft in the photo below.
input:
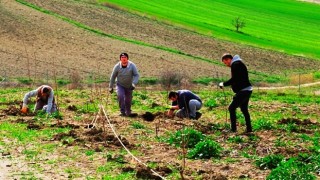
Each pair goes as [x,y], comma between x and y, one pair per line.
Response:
[205,150]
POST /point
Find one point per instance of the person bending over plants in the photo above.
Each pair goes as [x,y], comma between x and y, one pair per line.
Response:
[186,103]
[44,100]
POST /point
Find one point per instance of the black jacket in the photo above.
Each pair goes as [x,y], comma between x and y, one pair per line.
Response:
[239,77]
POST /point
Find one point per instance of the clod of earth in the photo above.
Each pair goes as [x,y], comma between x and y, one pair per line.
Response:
[72,108]
[296,121]
[146,173]
[148,116]
[34,126]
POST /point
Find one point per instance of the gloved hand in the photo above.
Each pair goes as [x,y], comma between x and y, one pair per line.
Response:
[221,85]
[133,86]
[110,90]
[24,110]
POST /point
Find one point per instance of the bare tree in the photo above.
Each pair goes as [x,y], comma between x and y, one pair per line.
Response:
[238,23]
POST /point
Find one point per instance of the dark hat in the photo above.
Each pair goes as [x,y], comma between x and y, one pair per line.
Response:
[124,54]
[225,56]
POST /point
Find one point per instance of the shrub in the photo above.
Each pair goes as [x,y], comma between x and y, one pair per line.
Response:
[205,150]
[168,78]
[187,137]
[269,162]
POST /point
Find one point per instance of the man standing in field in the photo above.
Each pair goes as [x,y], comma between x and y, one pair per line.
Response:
[240,85]
[45,100]
[187,104]
[127,77]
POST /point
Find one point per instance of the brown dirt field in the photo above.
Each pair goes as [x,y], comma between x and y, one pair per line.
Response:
[70,154]
[37,45]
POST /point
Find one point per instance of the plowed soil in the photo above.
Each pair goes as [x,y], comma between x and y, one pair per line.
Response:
[38,45]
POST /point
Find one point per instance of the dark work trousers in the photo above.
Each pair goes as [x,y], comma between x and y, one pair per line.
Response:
[240,99]
[42,105]
[124,99]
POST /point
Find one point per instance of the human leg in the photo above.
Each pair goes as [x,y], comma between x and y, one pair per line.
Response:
[181,113]
[232,110]
[39,105]
[128,101]
[245,111]
[121,98]
[194,105]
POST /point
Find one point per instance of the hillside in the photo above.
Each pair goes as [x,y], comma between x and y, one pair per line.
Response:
[43,40]
[36,44]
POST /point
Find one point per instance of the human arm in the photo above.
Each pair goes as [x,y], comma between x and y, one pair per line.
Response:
[113,77]
[27,96]
[170,112]
[135,75]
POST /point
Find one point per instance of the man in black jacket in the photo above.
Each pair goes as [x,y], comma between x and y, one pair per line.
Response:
[240,85]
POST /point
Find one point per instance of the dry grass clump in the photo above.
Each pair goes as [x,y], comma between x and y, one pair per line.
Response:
[301,79]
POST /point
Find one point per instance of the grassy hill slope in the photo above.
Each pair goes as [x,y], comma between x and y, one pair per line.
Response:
[282,25]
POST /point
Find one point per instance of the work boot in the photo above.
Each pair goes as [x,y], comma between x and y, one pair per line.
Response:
[198,115]
[132,115]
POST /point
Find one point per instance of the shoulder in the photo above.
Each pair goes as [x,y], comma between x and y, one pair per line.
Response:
[130,63]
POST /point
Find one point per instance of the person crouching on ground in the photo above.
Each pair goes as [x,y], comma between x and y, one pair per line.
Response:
[187,104]
[127,77]
[44,100]
[242,88]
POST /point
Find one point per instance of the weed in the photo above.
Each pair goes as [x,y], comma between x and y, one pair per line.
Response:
[188,136]
[211,103]
[89,153]
[291,127]
[262,124]
[205,150]
[292,169]
[279,142]
[269,162]
[30,154]
[108,167]
[123,175]
[137,125]
[236,139]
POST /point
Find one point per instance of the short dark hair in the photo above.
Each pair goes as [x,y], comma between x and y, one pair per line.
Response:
[226,56]
[124,54]
[45,90]
[172,94]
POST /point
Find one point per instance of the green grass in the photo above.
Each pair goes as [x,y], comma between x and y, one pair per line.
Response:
[38,145]
[292,29]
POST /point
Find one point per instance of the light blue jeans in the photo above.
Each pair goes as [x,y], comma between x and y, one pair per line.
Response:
[194,106]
